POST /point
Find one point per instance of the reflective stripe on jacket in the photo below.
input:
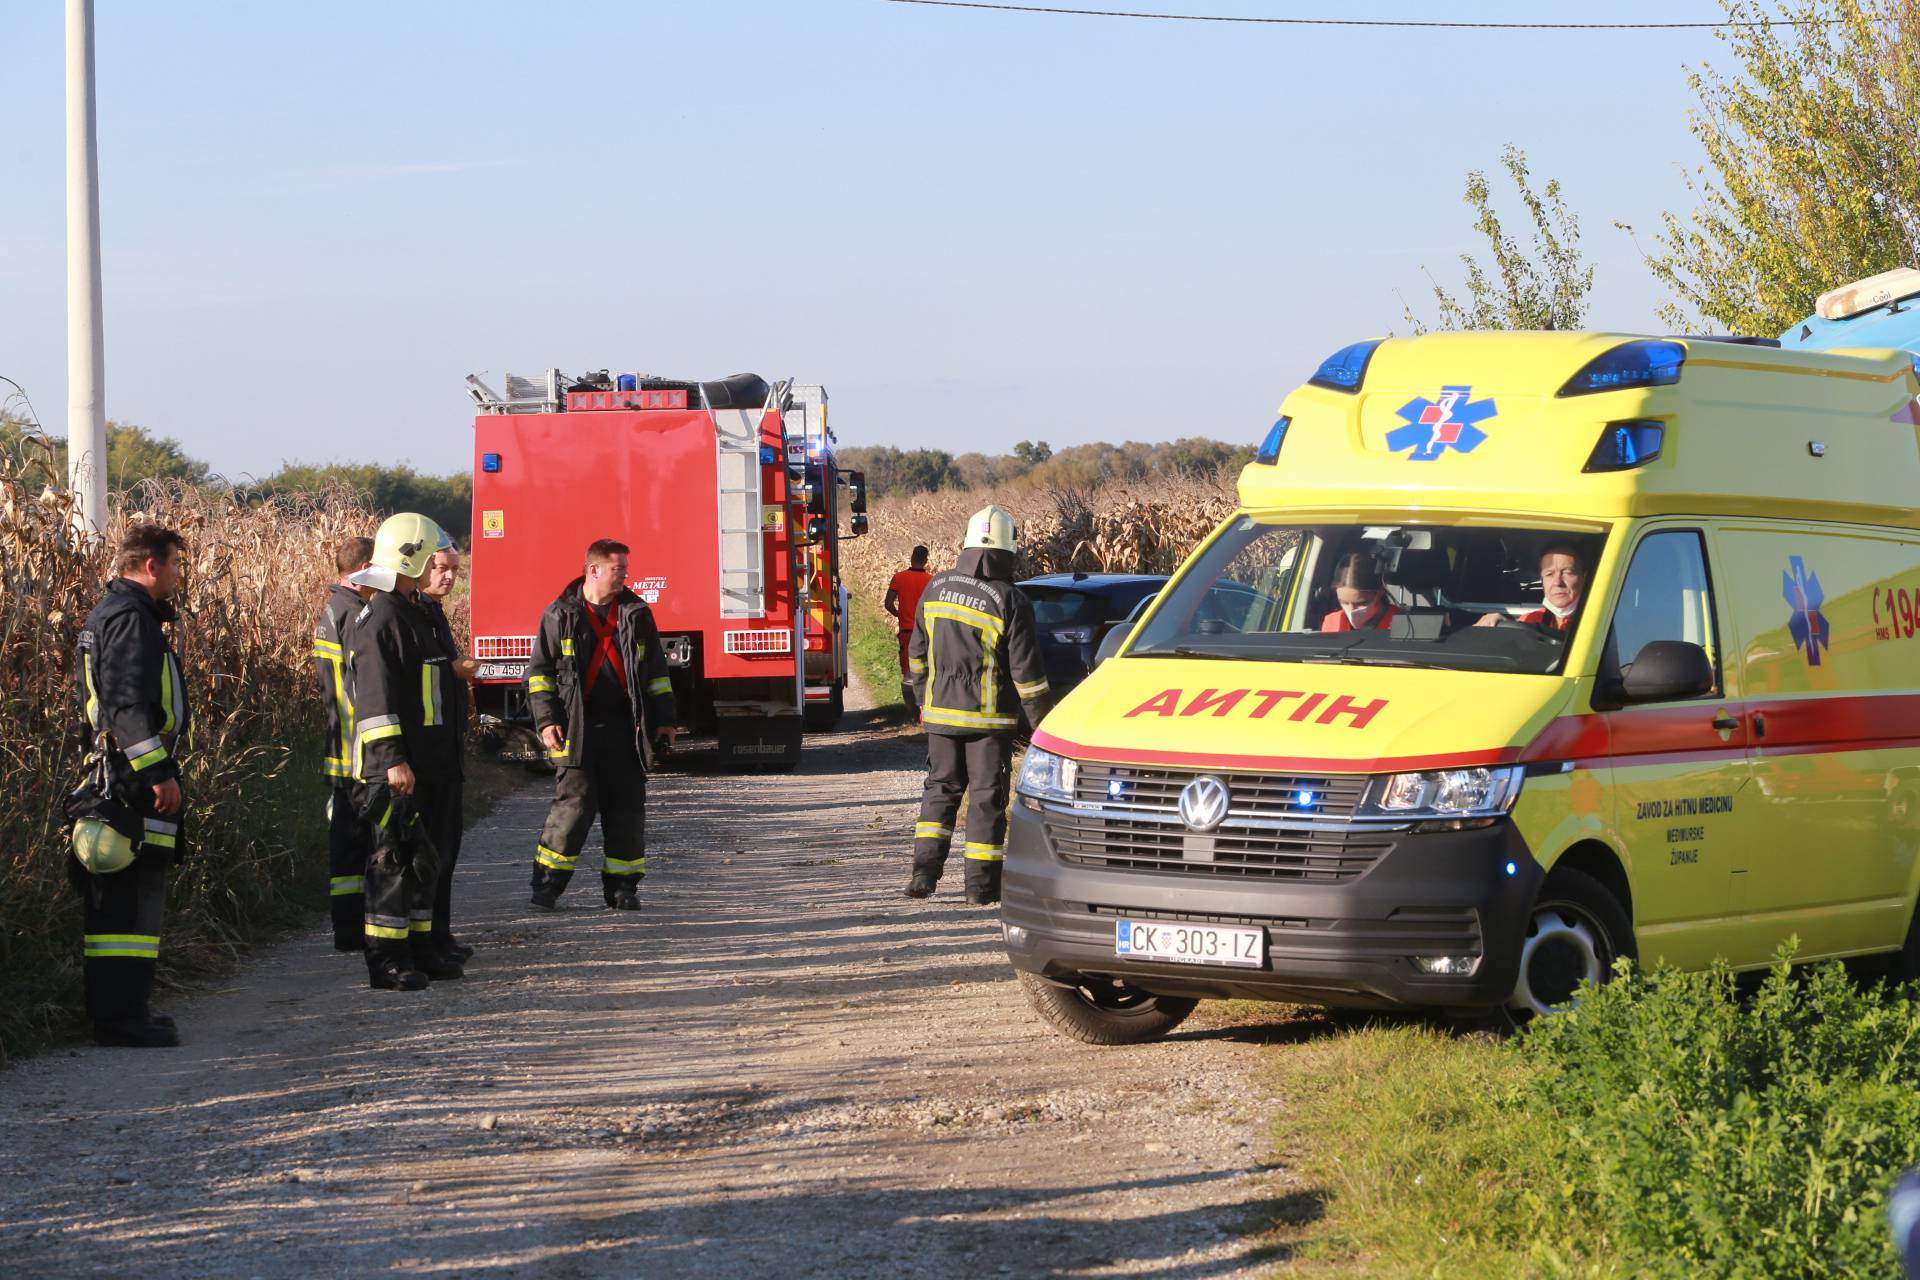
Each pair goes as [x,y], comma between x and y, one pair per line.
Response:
[975,653]
[330,668]
[129,680]
[562,654]
[397,682]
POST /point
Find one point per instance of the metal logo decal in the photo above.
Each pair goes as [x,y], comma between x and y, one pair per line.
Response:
[1203,803]
[1450,420]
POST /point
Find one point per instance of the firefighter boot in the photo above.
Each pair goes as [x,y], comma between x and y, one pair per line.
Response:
[922,883]
[621,892]
[136,1033]
[983,882]
[429,959]
[548,885]
[387,973]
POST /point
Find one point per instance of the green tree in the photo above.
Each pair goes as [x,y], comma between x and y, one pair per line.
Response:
[447,499]
[134,456]
[1546,288]
[1812,176]
[1033,452]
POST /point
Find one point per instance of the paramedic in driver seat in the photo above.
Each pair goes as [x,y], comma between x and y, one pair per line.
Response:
[1361,595]
[1563,582]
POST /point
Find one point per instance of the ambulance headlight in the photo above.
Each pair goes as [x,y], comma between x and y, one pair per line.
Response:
[1443,793]
[1046,776]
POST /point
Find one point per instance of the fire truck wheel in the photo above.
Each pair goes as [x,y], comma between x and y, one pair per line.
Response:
[824,716]
[1104,1011]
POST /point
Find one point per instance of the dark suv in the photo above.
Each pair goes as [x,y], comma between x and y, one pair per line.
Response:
[1075,611]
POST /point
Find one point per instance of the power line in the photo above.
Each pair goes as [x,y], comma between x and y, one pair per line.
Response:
[1370,22]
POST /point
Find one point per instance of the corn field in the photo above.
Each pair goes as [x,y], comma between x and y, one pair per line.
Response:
[1118,530]
[255,576]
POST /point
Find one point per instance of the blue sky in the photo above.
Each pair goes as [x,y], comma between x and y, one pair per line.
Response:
[974,228]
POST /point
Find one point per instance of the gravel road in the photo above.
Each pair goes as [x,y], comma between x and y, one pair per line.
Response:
[779,1066]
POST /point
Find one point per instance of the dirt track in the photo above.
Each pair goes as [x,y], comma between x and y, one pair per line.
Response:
[780,1065]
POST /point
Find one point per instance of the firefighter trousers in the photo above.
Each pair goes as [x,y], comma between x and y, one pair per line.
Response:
[446,832]
[979,767]
[121,918]
[609,782]
[402,871]
[346,868]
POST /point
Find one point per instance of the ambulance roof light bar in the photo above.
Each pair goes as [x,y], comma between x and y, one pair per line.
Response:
[1346,368]
[1646,362]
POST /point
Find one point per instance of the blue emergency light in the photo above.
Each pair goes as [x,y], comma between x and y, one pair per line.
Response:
[1306,799]
[1626,445]
[1346,368]
[1648,362]
[489,462]
[1270,447]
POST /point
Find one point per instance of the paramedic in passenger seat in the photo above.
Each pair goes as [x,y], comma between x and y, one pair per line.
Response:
[1359,593]
[1563,580]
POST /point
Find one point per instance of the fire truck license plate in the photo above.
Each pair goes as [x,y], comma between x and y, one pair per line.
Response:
[1189,943]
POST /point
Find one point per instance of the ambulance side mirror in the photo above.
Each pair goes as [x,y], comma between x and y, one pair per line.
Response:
[1110,645]
[1665,670]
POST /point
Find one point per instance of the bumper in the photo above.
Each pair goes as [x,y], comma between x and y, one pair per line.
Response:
[1346,943]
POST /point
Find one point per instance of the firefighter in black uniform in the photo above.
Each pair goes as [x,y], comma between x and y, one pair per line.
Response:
[129,813]
[442,572]
[405,755]
[346,834]
[975,663]
[600,692]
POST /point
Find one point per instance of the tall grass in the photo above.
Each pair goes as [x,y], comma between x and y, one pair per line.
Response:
[256,574]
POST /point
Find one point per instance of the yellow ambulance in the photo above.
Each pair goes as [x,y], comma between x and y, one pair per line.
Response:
[1524,652]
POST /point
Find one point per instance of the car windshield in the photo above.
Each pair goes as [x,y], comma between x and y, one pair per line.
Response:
[1056,606]
[1464,597]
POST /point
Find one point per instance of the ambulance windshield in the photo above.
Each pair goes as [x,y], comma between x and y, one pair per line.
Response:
[1467,597]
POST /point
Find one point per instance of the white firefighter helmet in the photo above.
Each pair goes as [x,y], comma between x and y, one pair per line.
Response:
[991,527]
[401,548]
[100,848]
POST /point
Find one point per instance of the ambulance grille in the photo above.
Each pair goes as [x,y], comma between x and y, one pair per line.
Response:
[1280,827]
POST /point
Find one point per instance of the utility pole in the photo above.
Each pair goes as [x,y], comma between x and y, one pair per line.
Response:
[86,339]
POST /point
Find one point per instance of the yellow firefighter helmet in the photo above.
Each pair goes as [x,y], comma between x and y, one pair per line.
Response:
[401,548]
[100,848]
[991,527]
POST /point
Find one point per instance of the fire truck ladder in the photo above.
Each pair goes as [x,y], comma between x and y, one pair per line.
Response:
[736,436]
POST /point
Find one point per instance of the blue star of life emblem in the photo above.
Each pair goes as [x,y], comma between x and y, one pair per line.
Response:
[1808,626]
[1450,420]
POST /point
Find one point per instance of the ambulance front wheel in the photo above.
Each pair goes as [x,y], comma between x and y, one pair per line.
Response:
[1104,1011]
[1577,930]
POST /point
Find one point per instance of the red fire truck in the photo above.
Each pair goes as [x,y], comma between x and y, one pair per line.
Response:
[730,497]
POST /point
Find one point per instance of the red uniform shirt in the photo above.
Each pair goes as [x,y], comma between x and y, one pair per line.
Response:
[1539,616]
[907,586]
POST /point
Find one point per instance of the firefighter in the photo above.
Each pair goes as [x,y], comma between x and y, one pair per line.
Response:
[600,693]
[974,631]
[405,754]
[346,834]
[130,810]
[902,601]
[442,572]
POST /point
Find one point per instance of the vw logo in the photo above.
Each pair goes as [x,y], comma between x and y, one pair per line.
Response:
[1203,803]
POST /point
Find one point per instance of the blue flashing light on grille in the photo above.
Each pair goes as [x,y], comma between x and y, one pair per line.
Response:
[1306,799]
[1116,789]
[1346,368]
[1648,362]
[489,462]
[1513,869]
[1270,447]
[1626,445]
